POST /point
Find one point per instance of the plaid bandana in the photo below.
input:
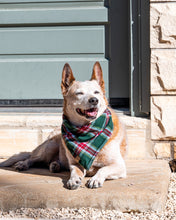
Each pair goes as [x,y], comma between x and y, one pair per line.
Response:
[84,142]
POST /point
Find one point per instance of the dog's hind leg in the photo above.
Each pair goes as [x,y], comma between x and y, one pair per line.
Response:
[55,166]
[21,161]
[45,154]
[35,157]
[26,164]
[22,165]
[15,158]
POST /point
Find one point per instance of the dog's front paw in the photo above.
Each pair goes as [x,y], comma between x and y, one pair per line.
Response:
[95,182]
[74,183]
[21,166]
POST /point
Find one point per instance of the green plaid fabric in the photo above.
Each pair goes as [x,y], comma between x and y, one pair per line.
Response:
[86,141]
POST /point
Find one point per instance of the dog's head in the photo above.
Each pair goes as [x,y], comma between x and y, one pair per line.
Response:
[83,101]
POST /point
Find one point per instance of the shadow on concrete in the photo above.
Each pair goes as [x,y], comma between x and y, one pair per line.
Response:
[63,175]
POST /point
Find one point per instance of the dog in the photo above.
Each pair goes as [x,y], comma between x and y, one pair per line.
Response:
[87,122]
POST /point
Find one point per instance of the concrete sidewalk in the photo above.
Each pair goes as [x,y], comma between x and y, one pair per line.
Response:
[145,188]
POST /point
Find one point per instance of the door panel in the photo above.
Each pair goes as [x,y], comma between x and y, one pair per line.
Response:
[53,13]
[40,77]
[52,40]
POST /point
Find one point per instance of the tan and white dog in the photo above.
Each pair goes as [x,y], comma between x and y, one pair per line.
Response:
[84,102]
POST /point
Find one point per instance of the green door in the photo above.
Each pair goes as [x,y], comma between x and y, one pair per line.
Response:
[38,36]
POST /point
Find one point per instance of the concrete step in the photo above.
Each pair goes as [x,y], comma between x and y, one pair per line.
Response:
[24,131]
[145,188]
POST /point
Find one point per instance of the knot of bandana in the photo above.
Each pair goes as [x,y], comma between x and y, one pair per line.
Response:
[84,142]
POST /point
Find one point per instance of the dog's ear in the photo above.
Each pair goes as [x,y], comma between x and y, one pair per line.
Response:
[97,75]
[67,78]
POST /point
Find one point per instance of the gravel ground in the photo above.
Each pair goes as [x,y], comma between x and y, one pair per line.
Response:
[95,214]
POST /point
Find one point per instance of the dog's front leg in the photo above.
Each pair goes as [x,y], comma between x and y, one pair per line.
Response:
[77,173]
[113,171]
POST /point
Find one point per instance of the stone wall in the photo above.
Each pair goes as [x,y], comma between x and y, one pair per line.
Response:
[24,132]
[163,76]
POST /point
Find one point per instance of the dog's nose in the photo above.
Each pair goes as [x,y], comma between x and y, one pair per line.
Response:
[93,101]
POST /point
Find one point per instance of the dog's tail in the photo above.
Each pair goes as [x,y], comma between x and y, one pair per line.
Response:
[15,158]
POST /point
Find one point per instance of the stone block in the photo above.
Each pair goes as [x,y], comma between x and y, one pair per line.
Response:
[163,71]
[30,120]
[46,134]
[13,141]
[162,25]
[139,144]
[163,117]
[134,122]
[162,150]
[7,120]
[136,142]
[44,121]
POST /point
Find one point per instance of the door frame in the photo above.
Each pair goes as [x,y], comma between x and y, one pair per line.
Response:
[139,57]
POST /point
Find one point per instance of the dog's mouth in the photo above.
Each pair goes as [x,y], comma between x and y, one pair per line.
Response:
[88,113]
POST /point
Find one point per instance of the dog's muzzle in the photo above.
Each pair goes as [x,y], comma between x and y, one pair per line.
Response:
[93,101]
[88,113]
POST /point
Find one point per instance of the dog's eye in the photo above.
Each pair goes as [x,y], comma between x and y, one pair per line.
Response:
[96,92]
[79,93]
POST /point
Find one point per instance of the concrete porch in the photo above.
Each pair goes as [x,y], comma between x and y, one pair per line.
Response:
[145,187]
